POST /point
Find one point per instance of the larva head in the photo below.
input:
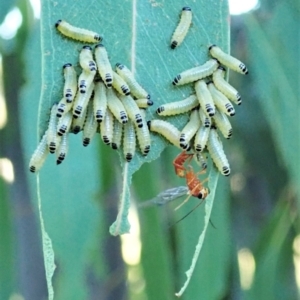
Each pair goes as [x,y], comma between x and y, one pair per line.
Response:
[120,66]
[149,125]
[57,23]
[203,193]
[221,68]
[226,170]
[211,46]
[97,37]
[176,79]
[186,8]
[32,169]
[99,45]
[67,65]
[174,44]
[150,102]
[86,142]
[86,47]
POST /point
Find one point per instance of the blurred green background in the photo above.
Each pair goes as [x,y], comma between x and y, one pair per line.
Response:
[254,251]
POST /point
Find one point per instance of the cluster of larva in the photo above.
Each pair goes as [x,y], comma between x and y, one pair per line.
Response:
[210,106]
[111,102]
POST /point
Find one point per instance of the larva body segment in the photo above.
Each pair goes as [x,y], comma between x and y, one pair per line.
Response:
[70,86]
[132,110]
[85,80]
[167,130]
[77,33]
[63,107]
[90,126]
[144,102]
[116,106]
[201,138]
[78,123]
[196,73]
[205,120]
[216,151]
[221,101]
[129,141]
[81,101]
[189,129]
[107,127]
[86,60]
[52,129]
[222,122]
[104,66]
[117,135]
[136,89]
[143,135]
[64,124]
[228,60]
[62,150]
[204,98]
[39,155]
[223,86]
[100,101]
[182,28]
[120,85]
[178,107]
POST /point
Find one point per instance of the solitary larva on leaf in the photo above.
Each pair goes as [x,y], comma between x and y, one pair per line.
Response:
[223,86]
[39,156]
[129,141]
[220,100]
[227,60]
[104,66]
[190,129]
[86,60]
[70,86]
[135,88]
[182,28]
[116,106]
[196,73]
[178,107]
[167,130]
[77,33]
[204,98]
[216,151]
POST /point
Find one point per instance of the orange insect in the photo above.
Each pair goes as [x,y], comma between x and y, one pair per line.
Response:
[179,161]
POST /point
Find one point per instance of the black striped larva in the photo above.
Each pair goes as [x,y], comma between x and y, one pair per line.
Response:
[85,80]
[204,98]
[86,60]
[143,135]
[189,129]
[223,86]
[220,100]
[107,127]
[228,60]
[205,120]
[78,123]
[70,86]
[201,138]
[132,110]
[62,150]
[178,107]
[223,124]
[182,28]
[116,106]
[90,125]
[39,155]
[117,135]
[104,66]
[64,123]
[100,100]
[197,73]
[120,85]
[216,151]
[167,130]
[77,33]
[63,107]
[135,88]
[129,141]
[52,129]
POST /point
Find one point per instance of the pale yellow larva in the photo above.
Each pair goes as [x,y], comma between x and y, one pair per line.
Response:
[116,106]
[81,101]
[52,129]
[86,60]
[223,124]
[201,138]
[107,127]
[129,140]
[62,149]
[104,66]
[90,125]
[70,86]
[132,110]
[143,135]
[204,98]
[100,100]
